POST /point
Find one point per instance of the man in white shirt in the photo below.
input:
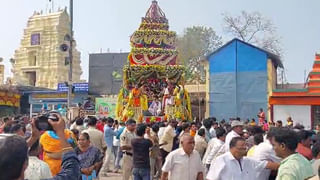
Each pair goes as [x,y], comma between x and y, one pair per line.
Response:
[213,128]
[37,169]
[200,142]
[237,130]
[234,165]
[215,147]
[183,163]
[265,152]
[116,147]
[167,139]
[206,125]
[161,129]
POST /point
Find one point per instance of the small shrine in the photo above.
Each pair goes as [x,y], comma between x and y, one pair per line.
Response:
[302,104]
[153,82]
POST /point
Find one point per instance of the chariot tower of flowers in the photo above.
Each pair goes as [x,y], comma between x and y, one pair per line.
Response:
[153,73]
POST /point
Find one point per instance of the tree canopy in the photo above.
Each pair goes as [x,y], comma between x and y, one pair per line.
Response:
[195,43]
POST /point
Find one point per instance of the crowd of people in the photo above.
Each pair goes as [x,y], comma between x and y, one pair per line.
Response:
[89,148]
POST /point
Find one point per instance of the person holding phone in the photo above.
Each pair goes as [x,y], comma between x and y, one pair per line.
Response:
[14,154]
[51,145]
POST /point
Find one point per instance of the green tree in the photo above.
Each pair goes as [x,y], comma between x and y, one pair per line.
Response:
[195,43]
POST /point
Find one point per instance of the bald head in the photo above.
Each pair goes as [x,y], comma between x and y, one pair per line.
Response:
[186,137]
[187,143]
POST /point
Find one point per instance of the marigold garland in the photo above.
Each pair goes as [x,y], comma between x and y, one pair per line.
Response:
[154,51]
[154,32]
[145,25]
[149,40]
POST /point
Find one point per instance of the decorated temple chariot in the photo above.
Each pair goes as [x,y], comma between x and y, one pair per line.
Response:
[153,81]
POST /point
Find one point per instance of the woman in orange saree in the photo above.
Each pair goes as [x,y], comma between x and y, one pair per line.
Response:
[52,150]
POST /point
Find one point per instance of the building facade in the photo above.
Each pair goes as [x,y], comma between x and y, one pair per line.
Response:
[241,78]
[302,104]
[197,93]
[40,60]
[105,72]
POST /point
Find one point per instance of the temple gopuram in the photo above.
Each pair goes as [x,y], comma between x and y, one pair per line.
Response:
[153,81]
[39,61]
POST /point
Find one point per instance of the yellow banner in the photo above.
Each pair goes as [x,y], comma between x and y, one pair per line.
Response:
[9,99]
[51,96]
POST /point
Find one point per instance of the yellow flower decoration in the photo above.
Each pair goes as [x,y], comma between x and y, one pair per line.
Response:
[152,119]
[130,113]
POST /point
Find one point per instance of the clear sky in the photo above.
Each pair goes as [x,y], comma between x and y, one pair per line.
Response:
[107,24]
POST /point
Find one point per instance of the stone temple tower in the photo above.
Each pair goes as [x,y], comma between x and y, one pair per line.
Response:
[40,60]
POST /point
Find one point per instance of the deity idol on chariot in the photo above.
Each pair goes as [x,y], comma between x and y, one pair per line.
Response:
[153,79]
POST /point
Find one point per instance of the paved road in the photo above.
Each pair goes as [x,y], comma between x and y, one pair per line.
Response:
[112,176]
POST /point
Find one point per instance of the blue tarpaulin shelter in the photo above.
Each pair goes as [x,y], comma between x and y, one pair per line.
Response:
[238,81]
